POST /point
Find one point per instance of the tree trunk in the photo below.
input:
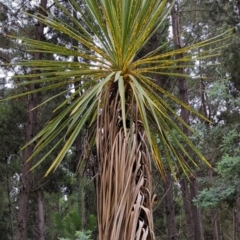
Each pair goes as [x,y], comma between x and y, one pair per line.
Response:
[238,216]
[192,214]
[26,176]
[213,213]
[234,224]
[169,206]
[214,225]
[41,218]
[10,205]
[197,219]
[187,208]
[124,179]
[183,95]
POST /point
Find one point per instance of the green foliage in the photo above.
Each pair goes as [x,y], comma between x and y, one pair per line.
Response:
[92,222]
[229,167]
[218,90]
[230,141]
[12,126]
[73,215]
[12,122]
[80,235]
[5,228]
[72,222]
[213,196]
[226,185]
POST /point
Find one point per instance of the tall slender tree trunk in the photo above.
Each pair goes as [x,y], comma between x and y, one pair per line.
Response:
[183,95]
[26,176]
[234,224]
[79,145]
[214,224]
[197,218]
[213,216]
[213,212]
[237,214]
[187,207]
[169,202]
[41,217]
[169,208]
[192,214]
[10,205]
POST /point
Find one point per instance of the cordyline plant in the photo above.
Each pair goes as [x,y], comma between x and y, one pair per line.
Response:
[118,97]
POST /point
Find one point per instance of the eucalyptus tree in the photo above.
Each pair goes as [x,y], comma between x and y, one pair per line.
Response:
[130,119]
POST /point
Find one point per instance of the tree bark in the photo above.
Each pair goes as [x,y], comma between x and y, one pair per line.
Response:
[41,218]
[197,218]
[183,95]
[169,207]
[214,224]
[192,214]
[10,206]
[237,213]
[124,175]
[213,213]
[234,224]
[26,176]
[187,207]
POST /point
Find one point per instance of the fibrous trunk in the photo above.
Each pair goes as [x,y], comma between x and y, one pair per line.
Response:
[124,182]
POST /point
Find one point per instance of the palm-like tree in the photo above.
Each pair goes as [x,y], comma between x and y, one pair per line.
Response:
[119,99]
